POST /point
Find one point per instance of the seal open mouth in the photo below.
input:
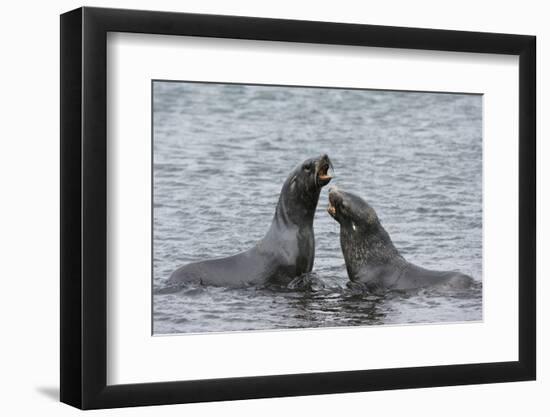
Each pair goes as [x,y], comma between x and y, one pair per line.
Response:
[332,202]
[331,209]
[323,175]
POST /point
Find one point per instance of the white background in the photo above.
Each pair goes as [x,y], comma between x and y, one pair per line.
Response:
[133,60]
[30,202]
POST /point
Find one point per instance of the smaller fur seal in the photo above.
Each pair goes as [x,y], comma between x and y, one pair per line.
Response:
[287,250]
[371,258]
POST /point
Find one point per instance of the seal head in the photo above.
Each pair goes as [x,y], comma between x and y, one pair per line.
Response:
[300,192]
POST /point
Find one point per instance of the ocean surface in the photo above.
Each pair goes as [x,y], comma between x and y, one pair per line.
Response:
[222,153]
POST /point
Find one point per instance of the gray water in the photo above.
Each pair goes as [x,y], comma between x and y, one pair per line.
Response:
[222,153]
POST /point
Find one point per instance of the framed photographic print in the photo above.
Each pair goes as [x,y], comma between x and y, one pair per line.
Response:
[258,207]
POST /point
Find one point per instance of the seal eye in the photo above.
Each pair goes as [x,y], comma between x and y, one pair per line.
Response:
[307,168]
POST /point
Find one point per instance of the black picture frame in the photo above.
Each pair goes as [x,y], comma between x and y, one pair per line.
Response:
[84,207]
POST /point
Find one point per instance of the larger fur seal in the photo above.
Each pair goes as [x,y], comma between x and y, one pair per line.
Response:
[371,258]
[288,248]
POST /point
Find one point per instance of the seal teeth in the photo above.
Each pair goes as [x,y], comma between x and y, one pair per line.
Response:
[323,172]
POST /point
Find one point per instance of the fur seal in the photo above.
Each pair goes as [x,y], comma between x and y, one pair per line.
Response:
[372,261]
[287,250]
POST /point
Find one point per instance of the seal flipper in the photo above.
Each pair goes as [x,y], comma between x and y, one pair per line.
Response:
[357,286]
[306,282]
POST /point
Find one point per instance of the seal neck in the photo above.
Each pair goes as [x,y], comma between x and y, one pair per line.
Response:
[367,248]
[296,207]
